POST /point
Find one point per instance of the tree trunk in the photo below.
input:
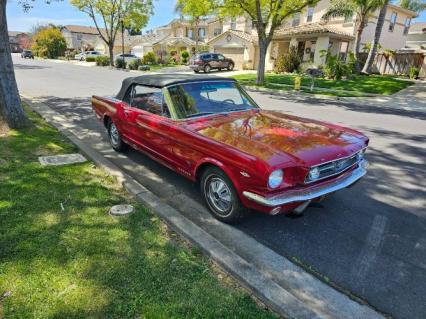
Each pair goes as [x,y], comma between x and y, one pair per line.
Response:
[111,53]
[263,48]
[197,23]
[373,50]
[358,34]
[10,102]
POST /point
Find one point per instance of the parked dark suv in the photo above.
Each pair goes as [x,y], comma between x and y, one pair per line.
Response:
[208,61]
[27,54]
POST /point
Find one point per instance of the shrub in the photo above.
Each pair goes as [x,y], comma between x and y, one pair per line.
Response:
[414,73]
[149,58]
[335,68]
[134,65]
[91,59]
[120,64]
[102,60]
[185,56]
[49,43]
[288,62]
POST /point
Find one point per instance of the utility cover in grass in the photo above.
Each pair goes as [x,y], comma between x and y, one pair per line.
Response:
[120,210]
[62,159]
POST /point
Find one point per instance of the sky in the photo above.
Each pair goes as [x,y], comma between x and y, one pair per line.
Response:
[61,12]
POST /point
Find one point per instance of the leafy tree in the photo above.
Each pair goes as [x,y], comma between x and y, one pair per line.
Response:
[10,103]
[195,10]
[49,43]
[413,5]
[361,9]
[375,45]
[113,14]
[267,16]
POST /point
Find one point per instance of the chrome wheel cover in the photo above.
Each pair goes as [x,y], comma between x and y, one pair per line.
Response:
[114,135]
[219,195]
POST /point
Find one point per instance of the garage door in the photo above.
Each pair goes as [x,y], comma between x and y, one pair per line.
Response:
[236,54]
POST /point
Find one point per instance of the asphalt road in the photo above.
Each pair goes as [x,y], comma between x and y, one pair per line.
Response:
[369,240]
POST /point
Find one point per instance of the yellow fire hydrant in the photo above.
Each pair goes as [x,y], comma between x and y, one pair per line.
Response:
[297,82]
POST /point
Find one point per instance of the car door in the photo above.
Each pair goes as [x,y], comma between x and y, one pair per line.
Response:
[222,61]
[215,61]
[150,124]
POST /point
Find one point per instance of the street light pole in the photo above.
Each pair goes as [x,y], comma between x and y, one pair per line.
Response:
[122,44]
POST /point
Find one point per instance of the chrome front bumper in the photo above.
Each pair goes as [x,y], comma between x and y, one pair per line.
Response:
[311,192]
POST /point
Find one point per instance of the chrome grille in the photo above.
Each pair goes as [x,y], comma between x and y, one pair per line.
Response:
[333,168]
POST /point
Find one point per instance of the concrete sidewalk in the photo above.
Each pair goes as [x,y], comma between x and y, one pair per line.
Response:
[412,98]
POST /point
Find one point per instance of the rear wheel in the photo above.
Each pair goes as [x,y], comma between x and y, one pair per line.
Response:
[207,68]
[115,138]
[230,66]
[221,196]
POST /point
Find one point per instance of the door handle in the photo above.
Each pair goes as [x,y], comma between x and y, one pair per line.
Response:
[126,113]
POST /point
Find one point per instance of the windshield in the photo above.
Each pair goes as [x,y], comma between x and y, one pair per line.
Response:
[204,98]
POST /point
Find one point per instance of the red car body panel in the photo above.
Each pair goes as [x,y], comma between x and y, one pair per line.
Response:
[246,145]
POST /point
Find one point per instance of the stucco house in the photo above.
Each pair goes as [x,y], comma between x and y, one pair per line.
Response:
[310,34]
[178,35]
[80,38]
[18,41]
[416,38]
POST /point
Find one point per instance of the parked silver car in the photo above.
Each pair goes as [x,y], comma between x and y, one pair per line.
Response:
[128,57]
[84,55]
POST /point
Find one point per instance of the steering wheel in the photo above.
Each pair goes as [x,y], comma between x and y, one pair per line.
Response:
[229,101]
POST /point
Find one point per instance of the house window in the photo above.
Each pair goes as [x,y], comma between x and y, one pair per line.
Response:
[392,21]
[190,34]
[201,33]
[296,20]
[310,14]
[79,37]
[407,25]
[217,31]
[233,24]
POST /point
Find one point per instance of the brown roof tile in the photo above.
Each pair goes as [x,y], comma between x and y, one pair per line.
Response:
[311,28]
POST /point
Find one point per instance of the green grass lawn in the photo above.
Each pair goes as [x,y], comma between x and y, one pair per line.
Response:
[80,262]
[356,86]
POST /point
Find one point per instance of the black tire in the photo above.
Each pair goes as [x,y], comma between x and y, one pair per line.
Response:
[114,137]
[207,68]
[196,71]
[233,214]
[230,66]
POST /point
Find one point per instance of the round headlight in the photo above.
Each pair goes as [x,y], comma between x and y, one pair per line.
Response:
[276,178]
[314,173]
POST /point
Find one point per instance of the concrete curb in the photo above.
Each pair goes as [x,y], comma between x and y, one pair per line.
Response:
[261,279]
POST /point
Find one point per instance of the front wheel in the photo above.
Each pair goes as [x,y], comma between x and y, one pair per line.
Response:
[221,196]
[115,138]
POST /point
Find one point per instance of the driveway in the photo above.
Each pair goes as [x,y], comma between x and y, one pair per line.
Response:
[369,241]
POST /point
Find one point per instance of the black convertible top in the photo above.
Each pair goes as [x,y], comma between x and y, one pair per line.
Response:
[162,80]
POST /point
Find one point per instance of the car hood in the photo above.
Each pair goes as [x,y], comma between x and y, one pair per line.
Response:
[278,138]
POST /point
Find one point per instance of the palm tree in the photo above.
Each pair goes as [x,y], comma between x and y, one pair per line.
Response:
[348,8]
[375,43]
[413,5]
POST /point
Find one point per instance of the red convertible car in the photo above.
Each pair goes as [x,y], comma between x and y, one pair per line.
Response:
[210,130]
